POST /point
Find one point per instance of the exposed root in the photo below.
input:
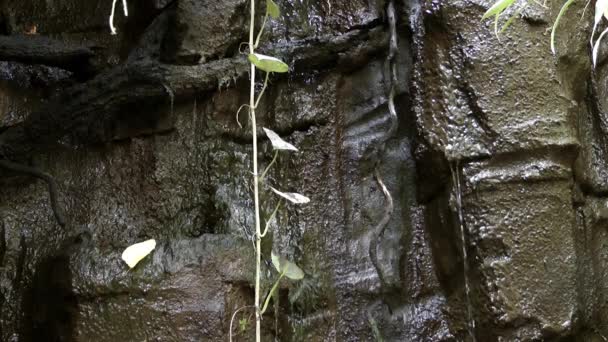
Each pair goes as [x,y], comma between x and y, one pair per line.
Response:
[234,316]
[50,181]
[380,228]
[389,208]
[111,18]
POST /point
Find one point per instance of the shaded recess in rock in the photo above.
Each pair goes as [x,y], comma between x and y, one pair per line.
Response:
[49,305]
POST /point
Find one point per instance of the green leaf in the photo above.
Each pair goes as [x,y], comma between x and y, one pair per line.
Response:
[272,292]
[268,63]
[497,8]
[276,262]
[512,18]
[556,22]
[287,268]
[272,9]
[243,323]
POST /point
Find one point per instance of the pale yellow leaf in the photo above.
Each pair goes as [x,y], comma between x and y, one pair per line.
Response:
[134,253]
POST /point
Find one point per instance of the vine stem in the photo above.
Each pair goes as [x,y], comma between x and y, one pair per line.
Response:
[274,213]
[274,288]
[234,316]
[263,90]
[274,159]
[111,19]
[257,41]
[256,195]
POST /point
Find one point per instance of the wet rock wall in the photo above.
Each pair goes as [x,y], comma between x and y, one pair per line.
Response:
[513,125]
[497,141]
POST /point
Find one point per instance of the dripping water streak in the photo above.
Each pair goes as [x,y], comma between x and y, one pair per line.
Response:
[456,180]
[171,96]
[392,56]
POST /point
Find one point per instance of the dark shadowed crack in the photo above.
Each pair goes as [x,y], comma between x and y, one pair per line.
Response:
[34,49]
[467,90]
[295,127]
[459,61]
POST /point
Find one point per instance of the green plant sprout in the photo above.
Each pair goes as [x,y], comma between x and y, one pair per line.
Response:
[269,65]
[375,330]
[496,10]
[601,11]
[285,268]
[243,324]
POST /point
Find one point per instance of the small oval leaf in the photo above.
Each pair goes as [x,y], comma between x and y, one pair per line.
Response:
[292,197]
[134,253]
[293,272]
[268,63]
[286,267]
[272,9]
[276,262]
[277,142]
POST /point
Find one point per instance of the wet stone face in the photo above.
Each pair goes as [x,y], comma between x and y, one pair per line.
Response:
[497,141]
[200,31]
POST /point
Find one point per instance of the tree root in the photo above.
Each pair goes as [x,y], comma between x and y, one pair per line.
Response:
[34,49]
[390,206]
[380,228]
[94,106]
[89,112]
[50,181]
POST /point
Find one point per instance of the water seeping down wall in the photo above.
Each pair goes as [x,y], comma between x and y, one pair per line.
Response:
[493,153]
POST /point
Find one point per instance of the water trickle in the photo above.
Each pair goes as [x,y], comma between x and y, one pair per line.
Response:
[456,181]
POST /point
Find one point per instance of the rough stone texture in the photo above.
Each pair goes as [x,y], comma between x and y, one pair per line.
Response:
[522,132]
[500,152]
[203,30]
